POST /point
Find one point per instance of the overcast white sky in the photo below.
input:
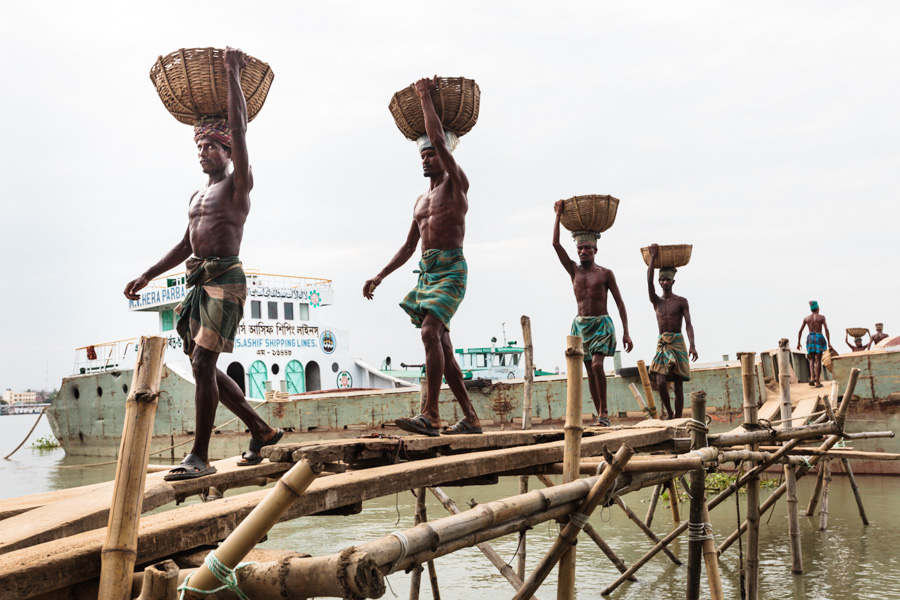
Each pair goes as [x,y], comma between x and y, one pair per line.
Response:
[765,133]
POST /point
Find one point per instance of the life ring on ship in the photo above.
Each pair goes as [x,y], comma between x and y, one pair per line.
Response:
[510,375]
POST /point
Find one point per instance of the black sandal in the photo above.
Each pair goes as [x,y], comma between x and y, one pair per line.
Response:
[252,456]
[461,428]
[418,424]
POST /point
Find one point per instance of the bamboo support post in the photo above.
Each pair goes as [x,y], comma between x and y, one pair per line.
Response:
[845,463]
[597,539]
[790,475]
[841,414]
[486,549]
[654,500]
[526,424]
[568,536]
[817,493]
[751,417]
[160,581]
[120,548]
[696,524]
[415,579]
[711,558]
[247,534]
[647,531]
[639,399]
[572,455]
[823,513]
[648,391]
[673,501]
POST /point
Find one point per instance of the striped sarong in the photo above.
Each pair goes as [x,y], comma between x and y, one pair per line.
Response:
[598,335]
[214,306]
[671,357]
[815,343]
[441,286]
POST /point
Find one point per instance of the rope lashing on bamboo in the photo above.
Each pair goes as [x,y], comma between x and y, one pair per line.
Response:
[695,425]
[697,532]
[227,576]
[404,548]
[578,519]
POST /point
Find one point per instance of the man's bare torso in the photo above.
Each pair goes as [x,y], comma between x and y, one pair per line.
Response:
[591,286]
[814,322]
[216,220]
[440,214]
[670,313]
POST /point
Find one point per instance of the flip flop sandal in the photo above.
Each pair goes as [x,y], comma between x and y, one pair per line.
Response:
[418,424]
[602,422]
[252,456]
[461,428]
[190,468]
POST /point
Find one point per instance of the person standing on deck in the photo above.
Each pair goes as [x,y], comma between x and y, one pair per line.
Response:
[671,360]
[209,315]
[879,334]
[857,345]
[816,343]
[591,282]
[439,219]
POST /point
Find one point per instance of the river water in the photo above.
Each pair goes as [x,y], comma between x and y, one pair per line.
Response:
[848,561]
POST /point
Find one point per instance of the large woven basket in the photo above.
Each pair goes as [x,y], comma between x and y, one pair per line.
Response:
[589,213]
[456,101]
[192,85]
[669,257]
[827,357]
[856,331]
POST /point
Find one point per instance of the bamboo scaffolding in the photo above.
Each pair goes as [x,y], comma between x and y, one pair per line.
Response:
[823,513]
[159,582]
[673,501]
[639,399]
[252,529]
[572,457]
[654,500]
[790,475]
[415,580]
[521,547]
[648,391]
[817,492]
[592,533]
[508,573]
[751,417]
[859,504]
[698,495]
[120,548]
[568,535]
[646,530]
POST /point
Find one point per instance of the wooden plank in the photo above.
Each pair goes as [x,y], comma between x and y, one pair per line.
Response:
[90,509]
[46,567]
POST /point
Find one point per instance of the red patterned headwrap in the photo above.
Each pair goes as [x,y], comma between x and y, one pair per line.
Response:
[216,130]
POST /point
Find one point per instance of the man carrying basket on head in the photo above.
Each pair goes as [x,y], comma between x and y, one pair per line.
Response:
[439,219]
[671,360]
[593,325]
[209,315]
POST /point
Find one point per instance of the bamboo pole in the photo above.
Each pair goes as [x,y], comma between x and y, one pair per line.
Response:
[639,399]
[592,533]
[120,548]
[844,408]
[160,582]
[673,501]
[252,529]
[711,558]
[415,579]
[817,492]
[568,535]
[648,391]
[698,494]
[823,513]
[572,455]
[647,531]
[790,475]
[486,549]
[526,424]
[654,499]
[859,504]
[751,417]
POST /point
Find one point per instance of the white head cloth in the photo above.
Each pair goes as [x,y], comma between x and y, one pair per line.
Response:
[424,143]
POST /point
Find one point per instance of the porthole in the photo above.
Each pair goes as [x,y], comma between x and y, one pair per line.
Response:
[124,389]
[99,391]
[76,393]
[275,369]
[335,367]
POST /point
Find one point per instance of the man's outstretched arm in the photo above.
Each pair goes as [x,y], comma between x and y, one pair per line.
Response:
[235,61]
[435,130]
[617,296]
[564,259]
[172,259]
[406,250]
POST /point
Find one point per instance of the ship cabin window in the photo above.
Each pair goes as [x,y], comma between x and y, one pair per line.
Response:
[466,360]
[513,360]
[255,309]
[288,311]
[168,320]
[303,311]
[273,310]
[481,360]
[500,360]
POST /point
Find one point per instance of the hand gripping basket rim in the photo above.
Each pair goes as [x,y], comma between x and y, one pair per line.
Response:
[457,101]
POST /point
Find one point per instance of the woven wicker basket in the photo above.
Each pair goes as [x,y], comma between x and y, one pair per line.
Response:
[829,354]
[856,331]
[589,213]
[191,83]
[670,257]
[456,101]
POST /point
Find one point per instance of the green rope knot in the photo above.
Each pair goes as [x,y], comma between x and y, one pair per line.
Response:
[227,576]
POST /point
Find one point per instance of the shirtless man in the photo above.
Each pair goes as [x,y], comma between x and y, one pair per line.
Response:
[857,345]
[591,282]
[209,315]
[439,219]
[671,360]
[879,334]
[816,343]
